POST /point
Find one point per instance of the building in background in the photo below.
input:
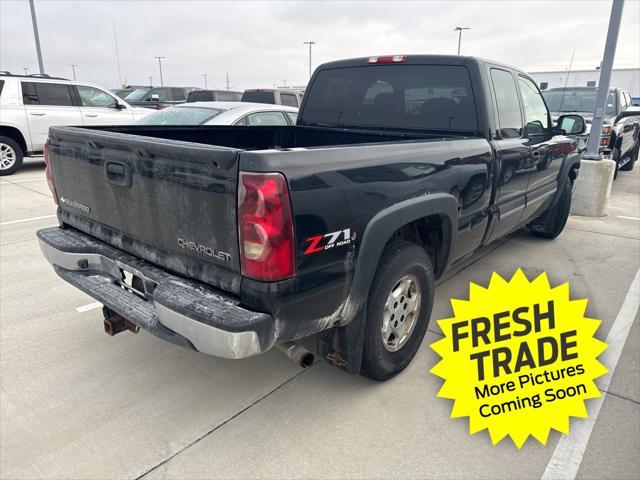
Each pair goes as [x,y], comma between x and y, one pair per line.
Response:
[625,78]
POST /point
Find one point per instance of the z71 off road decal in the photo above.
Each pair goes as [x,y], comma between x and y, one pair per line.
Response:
[320,243]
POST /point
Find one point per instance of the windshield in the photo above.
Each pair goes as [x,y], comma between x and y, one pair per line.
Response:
[122,93]
[426,97]
[259,97]
[137,94]
[575,100]
[180,116]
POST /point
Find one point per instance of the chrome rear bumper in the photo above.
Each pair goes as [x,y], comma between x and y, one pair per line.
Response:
[183,312]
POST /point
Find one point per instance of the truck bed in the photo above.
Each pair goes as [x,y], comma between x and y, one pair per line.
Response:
[264,138]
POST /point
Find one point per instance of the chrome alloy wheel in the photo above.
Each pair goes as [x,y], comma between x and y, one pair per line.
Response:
[401,313]
[7,156]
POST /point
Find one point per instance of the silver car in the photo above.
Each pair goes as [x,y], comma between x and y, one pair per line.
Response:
[223,113]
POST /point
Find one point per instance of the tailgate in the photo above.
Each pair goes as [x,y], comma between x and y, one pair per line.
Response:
[169,202]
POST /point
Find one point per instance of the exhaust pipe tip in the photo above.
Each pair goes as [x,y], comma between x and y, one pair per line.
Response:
[307,360]
[298,354]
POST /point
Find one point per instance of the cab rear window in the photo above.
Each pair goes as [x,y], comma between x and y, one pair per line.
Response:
[259,97]
[429,97]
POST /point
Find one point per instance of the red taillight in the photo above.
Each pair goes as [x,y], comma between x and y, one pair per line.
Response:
[388,59]
[47,172]
[265,227]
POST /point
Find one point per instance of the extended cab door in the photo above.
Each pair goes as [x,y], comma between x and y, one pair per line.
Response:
[48,104]
[547,154]
[512,153]
[101,108]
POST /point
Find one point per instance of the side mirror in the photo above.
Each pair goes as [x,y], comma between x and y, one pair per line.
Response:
[119,106]
[155,97]
[572,124]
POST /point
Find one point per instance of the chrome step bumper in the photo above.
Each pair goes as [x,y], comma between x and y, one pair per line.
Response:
[180,311]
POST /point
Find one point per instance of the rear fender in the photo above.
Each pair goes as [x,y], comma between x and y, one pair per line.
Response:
[343,345]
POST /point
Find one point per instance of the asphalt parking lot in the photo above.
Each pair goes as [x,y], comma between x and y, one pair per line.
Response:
[76,403]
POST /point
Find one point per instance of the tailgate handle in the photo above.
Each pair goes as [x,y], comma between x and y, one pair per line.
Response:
[118,173]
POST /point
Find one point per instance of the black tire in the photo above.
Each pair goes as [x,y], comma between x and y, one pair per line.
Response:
[554,219]
[627,167]
[10,155]
[400,260]
[615,156]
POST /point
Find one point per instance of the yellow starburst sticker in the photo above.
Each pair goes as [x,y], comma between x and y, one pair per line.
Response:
[519,358]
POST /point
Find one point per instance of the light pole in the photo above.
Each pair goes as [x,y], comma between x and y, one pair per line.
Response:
[151,80]
[593,144]
[205,80]
[459,30]
[115,39]
[37,37]
[73,67]
[160,66]
[310,44]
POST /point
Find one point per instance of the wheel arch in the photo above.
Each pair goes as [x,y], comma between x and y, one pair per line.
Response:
[343,345]
[383,227]
[16,135]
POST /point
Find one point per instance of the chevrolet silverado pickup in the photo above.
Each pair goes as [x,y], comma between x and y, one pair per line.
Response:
[231,240]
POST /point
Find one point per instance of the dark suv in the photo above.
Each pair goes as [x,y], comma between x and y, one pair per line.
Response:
[200,95]
[158,97]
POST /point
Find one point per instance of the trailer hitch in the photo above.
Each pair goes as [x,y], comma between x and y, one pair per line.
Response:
[114,323]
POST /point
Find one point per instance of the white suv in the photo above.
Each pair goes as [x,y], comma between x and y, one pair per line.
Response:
[30,104]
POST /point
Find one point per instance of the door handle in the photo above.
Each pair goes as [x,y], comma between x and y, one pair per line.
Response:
[38,114]
[92,115]
[118,173]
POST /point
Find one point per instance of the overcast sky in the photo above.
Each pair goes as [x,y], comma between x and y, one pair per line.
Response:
[260,43]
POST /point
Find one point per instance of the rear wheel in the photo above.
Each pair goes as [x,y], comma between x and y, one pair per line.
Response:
[627,167]
[551,223]
[398,310]
[10,156]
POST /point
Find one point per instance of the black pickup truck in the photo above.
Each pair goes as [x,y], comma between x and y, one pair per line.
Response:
[230,240]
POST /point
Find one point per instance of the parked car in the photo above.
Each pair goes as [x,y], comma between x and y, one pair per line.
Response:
[31,104]
[200,95]
[231,240]
[290,98]
[582,101]
[625,139]
[222,113]
[158,97]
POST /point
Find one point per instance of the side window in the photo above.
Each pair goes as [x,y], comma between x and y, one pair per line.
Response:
[94,97]
[243,121]
[29,94]
[56,94]
[627,97]
[509,116]
[535,110]
[178,95]
[292,116]
[288,99]
[266,118]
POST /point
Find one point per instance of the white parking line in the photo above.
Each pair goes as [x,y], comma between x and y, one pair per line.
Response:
[32,219]
[567,457]
[628,218]
[87,307]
